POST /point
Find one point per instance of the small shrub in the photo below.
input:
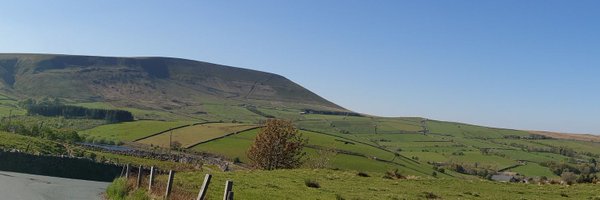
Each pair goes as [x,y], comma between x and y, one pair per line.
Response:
[237,160]
[363,174]
[339,197]
[272,186]
[394,175]
[431,195]
[568,177]
[117,190]
[472,194]
[312,183]
[138,195]
[434,174]
[563,194]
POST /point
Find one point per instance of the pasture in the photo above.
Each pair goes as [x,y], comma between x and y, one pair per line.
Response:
[352,155]
[192,135]
[130,131]
[337,184]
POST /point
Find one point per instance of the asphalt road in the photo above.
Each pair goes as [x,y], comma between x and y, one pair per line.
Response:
[17,186]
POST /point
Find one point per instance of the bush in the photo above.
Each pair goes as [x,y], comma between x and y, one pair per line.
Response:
[363,174]
[430,195]
[312,183]
[117,190]
[138,195]
[237,160]
[568,177]
[394,175]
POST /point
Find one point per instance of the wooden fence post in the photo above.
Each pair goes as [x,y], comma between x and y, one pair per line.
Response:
[151,180]
[228,188]
[204,187]
[122,171]
[127,171]
[169,184]
[230,195]
[139,178]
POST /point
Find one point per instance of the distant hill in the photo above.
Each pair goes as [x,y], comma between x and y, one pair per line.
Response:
[178,85]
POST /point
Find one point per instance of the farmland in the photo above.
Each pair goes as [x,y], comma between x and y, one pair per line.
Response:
[129,131]
[192,135]
[360,139]
[363,143]
[352,155]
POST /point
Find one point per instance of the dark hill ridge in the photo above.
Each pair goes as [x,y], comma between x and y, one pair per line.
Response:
[149,82]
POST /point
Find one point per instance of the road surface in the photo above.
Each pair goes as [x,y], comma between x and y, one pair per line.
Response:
[17,186]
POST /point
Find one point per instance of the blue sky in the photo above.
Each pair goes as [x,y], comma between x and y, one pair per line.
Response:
[514,64]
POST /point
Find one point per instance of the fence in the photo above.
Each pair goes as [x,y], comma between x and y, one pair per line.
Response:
[165,190]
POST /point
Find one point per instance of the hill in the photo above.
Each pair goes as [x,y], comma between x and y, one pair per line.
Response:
[214,109]
[172,85]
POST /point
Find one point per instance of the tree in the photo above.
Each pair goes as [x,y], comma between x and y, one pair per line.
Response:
[278,145]
[322,159]
[568,177]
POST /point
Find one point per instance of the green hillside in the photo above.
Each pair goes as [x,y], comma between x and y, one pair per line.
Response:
[215,110]
[186,87]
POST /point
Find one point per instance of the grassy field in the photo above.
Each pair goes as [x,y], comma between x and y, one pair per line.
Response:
[191,135]
[279,184]
[534,170]
[230,113]
[364,143]
[470,131]
[444,142]
[30,144]
[361,156]
[129,131]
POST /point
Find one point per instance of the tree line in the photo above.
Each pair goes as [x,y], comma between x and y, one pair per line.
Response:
[54,107]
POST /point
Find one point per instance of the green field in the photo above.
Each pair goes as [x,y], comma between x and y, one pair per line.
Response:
[365,138]
[31,145]
[279,184]
[534,170]
[129,131]
[361,157]
[192,135]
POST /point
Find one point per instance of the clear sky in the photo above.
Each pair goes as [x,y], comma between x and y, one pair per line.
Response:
[514,64]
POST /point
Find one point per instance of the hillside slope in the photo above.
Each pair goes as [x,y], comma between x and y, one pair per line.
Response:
[173,84]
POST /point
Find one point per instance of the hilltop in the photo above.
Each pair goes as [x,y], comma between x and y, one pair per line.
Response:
[152,83]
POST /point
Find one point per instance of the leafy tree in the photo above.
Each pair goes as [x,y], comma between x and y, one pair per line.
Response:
[278,145]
